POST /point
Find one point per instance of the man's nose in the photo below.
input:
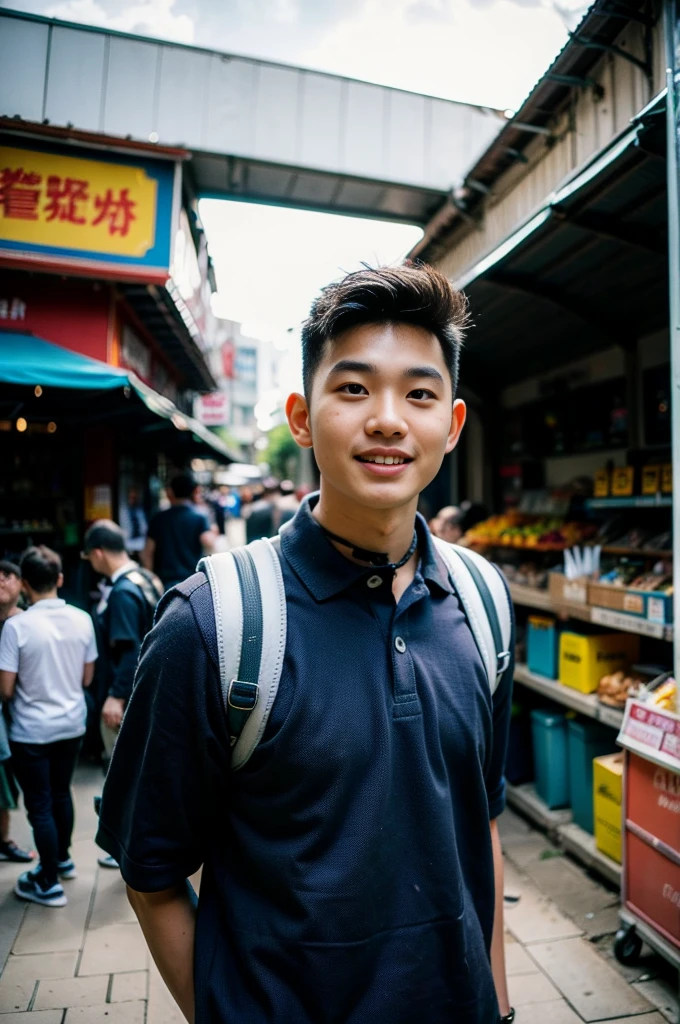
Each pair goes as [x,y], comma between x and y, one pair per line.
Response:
[386,419]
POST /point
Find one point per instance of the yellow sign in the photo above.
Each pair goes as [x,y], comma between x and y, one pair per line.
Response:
[65,202]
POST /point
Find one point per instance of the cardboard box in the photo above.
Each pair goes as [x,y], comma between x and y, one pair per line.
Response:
[585,659]
[667,478]
[653,800]
[651,479]
[601,484]
[607,799]
[564,591]
[652,887]
[623,481]
[653,605]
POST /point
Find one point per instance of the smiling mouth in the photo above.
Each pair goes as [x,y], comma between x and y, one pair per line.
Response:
[383,460]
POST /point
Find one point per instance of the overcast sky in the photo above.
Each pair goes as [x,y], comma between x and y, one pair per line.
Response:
[488,52]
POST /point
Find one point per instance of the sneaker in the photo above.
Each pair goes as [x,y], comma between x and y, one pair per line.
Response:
[107,861]
[30,888]
[66,869]
[10,851]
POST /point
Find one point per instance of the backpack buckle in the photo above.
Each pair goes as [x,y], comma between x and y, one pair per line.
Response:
[241,695]
[503,662]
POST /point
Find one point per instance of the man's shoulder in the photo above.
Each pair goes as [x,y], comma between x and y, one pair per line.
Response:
[186,613]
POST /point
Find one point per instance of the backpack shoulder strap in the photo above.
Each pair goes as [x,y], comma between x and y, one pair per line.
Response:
[250,618]
[485,600]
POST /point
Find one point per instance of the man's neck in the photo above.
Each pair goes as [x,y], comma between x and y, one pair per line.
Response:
[117,561]
[8,610]
[50,595]
[388,531]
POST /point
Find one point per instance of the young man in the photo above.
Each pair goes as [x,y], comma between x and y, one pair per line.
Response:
[349,869]
[180,535]
[124,617]
[10,591]
[47,656]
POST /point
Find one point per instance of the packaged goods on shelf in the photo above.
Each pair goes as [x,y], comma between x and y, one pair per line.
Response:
[648,596]
[615,689]
[584,658]
[542,640]
[549,733]
[566,591]
[586,741]
[607,800]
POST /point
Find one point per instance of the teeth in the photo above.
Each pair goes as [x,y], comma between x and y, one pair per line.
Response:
[384,460]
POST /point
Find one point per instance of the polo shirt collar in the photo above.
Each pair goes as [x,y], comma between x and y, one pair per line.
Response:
[326,573]
[123,569]
[47,602]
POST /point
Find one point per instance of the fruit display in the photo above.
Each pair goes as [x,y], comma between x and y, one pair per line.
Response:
[539,533]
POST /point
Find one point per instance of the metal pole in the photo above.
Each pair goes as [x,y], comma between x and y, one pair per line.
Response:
[673,184]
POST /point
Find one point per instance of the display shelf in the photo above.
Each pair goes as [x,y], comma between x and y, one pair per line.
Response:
[649,501]
[531,597]
[630,623]
[581,845]
[585,703]
[524,798]
[634,552]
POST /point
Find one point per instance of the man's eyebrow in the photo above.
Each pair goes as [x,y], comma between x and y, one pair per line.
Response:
[429,372]
[353,366]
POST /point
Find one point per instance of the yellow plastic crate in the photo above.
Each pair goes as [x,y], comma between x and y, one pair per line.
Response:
[585,659]
[607,798]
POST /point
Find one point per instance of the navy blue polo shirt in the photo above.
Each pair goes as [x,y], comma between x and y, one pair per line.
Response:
[347,868]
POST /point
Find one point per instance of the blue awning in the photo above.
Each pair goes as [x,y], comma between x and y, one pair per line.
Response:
[28,360]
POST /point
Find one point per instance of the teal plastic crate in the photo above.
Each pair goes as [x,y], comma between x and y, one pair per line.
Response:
[542,645]
[587,740]
[551,757]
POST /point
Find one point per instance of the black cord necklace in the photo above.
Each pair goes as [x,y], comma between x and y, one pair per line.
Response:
[373,557]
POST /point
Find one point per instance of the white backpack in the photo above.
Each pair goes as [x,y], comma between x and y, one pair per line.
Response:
[249,601]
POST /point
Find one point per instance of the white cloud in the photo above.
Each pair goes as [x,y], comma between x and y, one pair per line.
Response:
[484,53]
[151,18]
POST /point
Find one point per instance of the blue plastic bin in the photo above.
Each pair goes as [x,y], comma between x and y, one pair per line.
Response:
[587,740]
[542,646]
[551,757]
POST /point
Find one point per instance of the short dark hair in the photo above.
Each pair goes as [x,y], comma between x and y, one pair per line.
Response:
[410,294]
[104,534]
[10,568]
[183,485]
[40,568]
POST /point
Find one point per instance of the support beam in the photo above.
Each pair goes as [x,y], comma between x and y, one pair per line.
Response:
[636,235]
[594,44]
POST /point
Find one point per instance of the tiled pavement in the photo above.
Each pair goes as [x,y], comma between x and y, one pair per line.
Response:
[87,963]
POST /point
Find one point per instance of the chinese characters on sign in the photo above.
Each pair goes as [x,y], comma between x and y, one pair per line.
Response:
[66,199]
[72,204]
[651,732]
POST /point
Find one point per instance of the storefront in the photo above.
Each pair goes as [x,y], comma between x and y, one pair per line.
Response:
[100,357]
[564,257]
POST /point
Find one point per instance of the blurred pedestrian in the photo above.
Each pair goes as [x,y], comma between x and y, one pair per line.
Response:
[47,656]
[445,513]
[10,591]
[261,517]
[287,503]
[124,617]
[180,536]
[133,522]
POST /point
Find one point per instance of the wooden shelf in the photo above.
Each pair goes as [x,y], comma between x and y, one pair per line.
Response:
[643,501]
[531,597]
[636,552]
[585,703]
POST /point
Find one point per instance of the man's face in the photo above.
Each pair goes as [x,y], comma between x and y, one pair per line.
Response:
[381,413]
[96,559]
[10,588]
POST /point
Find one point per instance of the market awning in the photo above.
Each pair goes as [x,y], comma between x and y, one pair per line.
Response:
[587,271]
[26,360]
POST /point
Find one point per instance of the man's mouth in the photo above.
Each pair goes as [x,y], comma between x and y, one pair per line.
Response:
[383,460]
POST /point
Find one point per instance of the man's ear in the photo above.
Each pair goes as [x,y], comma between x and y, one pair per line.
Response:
[458,415]
[297,412]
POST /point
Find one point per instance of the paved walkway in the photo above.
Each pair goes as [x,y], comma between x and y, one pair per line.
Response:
[87,963]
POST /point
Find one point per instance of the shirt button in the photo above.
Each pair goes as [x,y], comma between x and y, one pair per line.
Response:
[399,644]
[373,582]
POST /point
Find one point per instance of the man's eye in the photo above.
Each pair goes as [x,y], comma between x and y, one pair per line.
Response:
[353,389]
[421,394]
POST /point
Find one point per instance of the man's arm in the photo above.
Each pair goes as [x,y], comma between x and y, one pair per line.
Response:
[88,673]
[207,540]
[7,684]
[168,920]
[497,941]
[148,552]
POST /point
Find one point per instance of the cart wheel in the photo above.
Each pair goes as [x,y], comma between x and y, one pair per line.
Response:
[627,946]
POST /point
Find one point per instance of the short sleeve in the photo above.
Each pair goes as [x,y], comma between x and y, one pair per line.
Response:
[125,616]
[91,653]
[9,648]
[170,765]
[502,711]
[204,524]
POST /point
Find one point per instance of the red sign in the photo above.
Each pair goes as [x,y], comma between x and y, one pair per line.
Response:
[652,732]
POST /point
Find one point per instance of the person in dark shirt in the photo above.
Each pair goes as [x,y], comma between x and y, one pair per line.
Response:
[180,535]
[352,869]
[261,516]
